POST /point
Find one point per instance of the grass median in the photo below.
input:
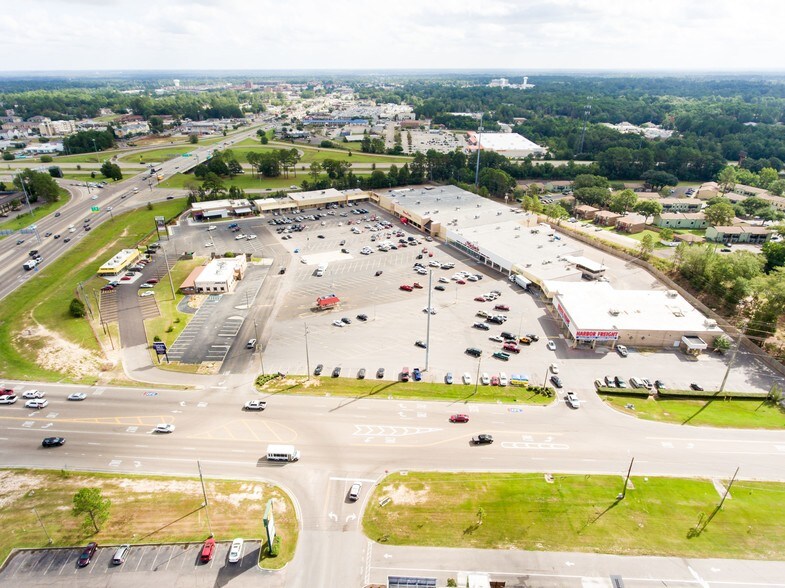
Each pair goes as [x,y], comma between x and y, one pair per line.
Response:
[736,413]
[353,388]
[145,509]
[22,218]
[658,516]
[39,340]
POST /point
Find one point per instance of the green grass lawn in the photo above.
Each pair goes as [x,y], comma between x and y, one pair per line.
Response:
[145,509]
[158,155]
[45,297]
[170,316]
[21,218]
[353,388]
[311,154]
[577,513]
[743,414]
[92,157]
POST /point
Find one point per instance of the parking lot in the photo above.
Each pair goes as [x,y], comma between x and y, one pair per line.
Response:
[396,318]
[176,564]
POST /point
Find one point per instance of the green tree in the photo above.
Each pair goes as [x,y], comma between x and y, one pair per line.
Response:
[8,156]
[315,170]
[767,176]
[593,196]
[727,179]
[498,182]
[769,295]
[214,185]
[624,201]
[646,245]
[156,124]
[720,214]
[721,343]
[111,170]
[648,208]
[77,308]
[774,254]
[555,210]
[193,138]
[47,159]
[658,179]
[264,140]
[38,185]
[91,503]
[666,235]
[777,187]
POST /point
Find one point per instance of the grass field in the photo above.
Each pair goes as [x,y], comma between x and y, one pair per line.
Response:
[41,303]
[353,388]
[170,316]
[743,414]
[311,154]
[577,513]
[145,509]
[93,157]
[21,218]
[157,155]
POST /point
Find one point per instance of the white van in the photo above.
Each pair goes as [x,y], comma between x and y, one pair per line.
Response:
[321,269]
[282,453]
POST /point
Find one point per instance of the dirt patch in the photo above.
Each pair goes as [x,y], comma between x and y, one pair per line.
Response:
[14,485]
[400,494]
[56,354]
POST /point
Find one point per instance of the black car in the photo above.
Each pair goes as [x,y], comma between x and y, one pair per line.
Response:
[87,554]
[481,326]
[346,320]
[482,439]
[361,374]
[473,351]
[440,288]
[320,236]
[660,385]
[378,273]
[696,387]
[336,372]
[532,336]
[362,317]
[318,370]
[508,336]
[52,442]
[420,343]
[556,380]
[380,373]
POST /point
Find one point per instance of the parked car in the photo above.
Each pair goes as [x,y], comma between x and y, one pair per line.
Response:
[406,288]
[494,380]
[164,428]
[660,385]
[362,317]
[485,379]
[380,373]
[551,345]
[439,287]
[620,382]
[208,551]
[236,551]
[448,378]
[405,374]
[622,350]
[318,370]
[572,400]
[459,418]
[87,554]
[556,381]
[337,323]
[354,491]
[696,387]
[420,343]
[466,378]
[473,351]
[416,374]
[554,368]
[482,439]
[501,307]
[481,326]
[502,355]
[336,371]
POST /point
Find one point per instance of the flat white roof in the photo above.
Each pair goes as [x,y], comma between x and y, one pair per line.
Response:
[217,204]
[119,258]
[218,270]
[507,142]
[304,197]
[598,305]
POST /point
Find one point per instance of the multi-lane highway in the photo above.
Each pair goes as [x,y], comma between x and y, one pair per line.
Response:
[343,439]
[113,199]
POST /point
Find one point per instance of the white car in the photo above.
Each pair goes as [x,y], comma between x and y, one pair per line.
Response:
[554,368]
[444,280]
[94,198]
[147,285]
[164,428]
[466,378]
[473,278]
[503,380]
[37,403]
[146,294]
[250,237]
[434,263]
[431,310]
[551,345]
[422,271]
[496,338]
[236,551]
[34,394]
[210,244]
[77,396]
[485,379]
[354,491]
[239,237]
[337,323]
[211,228]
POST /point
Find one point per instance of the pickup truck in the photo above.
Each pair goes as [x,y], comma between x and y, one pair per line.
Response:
[255,405]
[482,439]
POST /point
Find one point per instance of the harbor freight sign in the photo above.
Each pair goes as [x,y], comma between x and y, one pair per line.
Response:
[597,335]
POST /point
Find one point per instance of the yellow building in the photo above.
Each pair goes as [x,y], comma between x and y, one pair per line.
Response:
[119,262]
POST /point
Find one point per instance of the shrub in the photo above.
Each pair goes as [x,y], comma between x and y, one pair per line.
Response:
[157,339]
[170,328]
[46,159]
[77,308]
[276,547]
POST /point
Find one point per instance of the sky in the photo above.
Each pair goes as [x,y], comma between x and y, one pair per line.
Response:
[630,35]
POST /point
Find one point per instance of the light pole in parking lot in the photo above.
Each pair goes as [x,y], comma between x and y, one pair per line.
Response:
[258,347]
[428,323]
[40,522]
[307,356]
[168,273]
[477,380]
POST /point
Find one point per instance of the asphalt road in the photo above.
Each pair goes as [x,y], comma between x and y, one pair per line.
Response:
[343,440]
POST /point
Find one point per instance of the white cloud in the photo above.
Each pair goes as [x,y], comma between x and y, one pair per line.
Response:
[406,34]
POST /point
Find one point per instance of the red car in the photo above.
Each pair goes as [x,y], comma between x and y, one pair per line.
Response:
[460,282]
[494,380]
[512,348]
[478,298]
[155,281]
[406,287]
[459,418]
[87,554]
[501,307]
[208,550]
[405,374]
[417,285]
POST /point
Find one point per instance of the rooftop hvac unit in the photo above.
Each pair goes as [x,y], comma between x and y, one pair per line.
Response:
[671,294]
[710,323]
[613,311]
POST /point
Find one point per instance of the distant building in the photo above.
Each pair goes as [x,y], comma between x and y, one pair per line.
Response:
[43,148]
[56,128]
[212,209]
[681,220]
[738,234]
[220,275]
[507,144]
[680,204]
[132,128]
[631,223]
[586,212]
[606,218]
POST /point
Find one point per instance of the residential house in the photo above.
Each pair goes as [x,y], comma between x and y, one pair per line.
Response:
[680,204]
[777,202]
[606,218]
[748,190]
[688,238]
[631,223]
[128,129]
[708,190]
[585,211]
[738,234]
[681,220]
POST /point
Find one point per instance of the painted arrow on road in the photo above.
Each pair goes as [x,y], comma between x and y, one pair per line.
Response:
[333,517]
[390,431]
[351,517]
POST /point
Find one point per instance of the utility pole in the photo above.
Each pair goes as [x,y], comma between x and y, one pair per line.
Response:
[623,492]
[732,358]
[586,114]
[40,522]
[259,347]
[168,273]
[477,381]
[205,503]
[307,356]
[428,323]
[479,144]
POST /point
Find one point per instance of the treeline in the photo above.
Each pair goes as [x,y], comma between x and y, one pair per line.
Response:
[78,103]
[88,141]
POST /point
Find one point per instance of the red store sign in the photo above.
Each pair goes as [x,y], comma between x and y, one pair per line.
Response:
[597,335]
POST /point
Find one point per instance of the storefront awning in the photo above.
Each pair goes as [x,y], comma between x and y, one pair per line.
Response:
[694,343]
[242,210]
[211,213]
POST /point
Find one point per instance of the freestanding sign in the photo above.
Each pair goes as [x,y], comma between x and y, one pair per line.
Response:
[160,349]
[269,524]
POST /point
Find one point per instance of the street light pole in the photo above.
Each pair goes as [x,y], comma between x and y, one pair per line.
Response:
[259,347]
[477,381]
[479,142]
[40,522]
[428,324]
[204,494]
[168,273]
[307,356]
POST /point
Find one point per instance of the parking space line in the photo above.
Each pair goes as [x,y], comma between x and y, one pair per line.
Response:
[65,561]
